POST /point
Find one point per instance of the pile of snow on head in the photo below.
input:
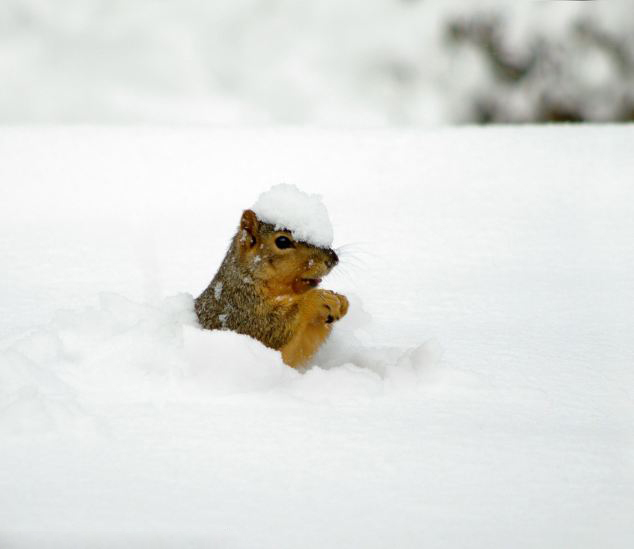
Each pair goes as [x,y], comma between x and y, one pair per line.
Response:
[286,207]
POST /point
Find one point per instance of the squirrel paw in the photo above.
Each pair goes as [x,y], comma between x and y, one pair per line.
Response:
[333,306]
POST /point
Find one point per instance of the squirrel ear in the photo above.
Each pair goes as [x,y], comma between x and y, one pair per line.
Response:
[250,224]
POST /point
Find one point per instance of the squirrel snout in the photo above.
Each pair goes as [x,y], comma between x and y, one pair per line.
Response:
[332,259]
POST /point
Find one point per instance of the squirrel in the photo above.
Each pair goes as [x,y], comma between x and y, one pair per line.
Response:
[266,287]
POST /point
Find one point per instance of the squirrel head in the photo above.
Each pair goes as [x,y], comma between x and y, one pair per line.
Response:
[273,257]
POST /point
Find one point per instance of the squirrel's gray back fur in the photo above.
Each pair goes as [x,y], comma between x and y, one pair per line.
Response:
[232,301]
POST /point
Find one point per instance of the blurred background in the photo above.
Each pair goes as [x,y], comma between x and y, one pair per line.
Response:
[341,63]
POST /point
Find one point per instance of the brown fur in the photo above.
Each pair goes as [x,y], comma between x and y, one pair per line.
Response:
[268,293]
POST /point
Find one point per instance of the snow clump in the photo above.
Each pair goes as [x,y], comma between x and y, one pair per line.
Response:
[56,378]
[287,207]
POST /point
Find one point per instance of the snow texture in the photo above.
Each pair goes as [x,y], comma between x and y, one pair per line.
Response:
[479,392]
[287,207]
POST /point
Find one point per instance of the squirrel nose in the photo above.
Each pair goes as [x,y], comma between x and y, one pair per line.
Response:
[332,260]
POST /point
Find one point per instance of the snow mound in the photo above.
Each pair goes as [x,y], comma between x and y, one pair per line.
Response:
[305,215]
[55,379]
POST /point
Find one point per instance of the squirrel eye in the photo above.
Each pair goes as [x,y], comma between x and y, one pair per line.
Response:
[283,242]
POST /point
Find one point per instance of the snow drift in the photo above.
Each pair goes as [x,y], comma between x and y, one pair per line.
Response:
[126,351]
[506,251]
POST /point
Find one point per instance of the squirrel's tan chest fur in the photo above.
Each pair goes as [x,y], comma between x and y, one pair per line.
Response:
[266,288]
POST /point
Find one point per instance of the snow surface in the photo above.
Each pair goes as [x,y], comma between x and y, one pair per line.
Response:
[478,394]
[305,215]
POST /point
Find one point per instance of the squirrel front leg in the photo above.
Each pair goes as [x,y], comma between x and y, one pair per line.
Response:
[318,309]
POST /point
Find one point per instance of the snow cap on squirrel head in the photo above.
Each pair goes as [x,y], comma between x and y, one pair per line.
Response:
[286,207]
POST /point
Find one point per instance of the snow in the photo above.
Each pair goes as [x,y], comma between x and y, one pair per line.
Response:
[287,207]
[218,290]
[330,63]
[477,394]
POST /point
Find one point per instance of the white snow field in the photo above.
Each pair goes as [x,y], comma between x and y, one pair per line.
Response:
[479,393]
